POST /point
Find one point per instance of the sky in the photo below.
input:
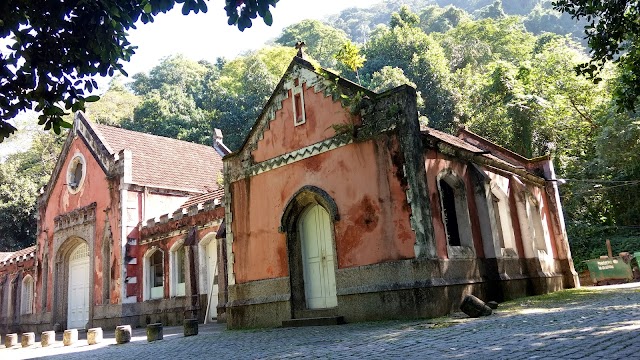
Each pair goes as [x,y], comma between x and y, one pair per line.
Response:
[202,36]
[207,36]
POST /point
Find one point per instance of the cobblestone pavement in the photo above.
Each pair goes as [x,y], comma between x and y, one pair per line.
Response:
[580,324]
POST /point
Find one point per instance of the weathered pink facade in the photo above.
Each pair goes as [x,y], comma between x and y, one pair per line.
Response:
[113,194]
[339,205]
[17,274]
[417,218]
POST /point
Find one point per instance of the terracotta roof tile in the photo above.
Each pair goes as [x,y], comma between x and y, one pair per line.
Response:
[199,199]
[460,143]
[17,255]
[452,140]
[164,162]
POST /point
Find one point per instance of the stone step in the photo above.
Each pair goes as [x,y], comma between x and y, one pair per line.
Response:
[316,321]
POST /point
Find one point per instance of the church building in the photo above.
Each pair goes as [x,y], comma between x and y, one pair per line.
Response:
[338,207]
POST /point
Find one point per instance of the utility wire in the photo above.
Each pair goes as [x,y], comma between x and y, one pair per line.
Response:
[601,188]
[598,181]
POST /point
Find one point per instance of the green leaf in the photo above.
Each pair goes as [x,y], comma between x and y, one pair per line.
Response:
[147,8]
[92,98]
[268,18]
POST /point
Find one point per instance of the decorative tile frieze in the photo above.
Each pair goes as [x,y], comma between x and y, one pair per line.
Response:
[76,217]
[297,155]
[182,215]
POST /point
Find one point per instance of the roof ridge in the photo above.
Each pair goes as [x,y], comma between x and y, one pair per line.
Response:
[139,133]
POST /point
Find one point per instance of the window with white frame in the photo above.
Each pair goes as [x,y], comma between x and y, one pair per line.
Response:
[455,215]
[76,173]
[26,301]
[155,275]
[178,269]
[297,94]
[504,226]
[538,232]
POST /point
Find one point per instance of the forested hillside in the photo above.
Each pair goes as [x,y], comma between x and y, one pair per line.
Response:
[505,69]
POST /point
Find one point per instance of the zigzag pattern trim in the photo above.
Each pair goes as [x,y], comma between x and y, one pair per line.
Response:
[313,80]
[301,154]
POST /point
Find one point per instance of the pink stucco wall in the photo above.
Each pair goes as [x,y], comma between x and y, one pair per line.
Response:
[364,179]
[95,188]
[283,137]
[436,163]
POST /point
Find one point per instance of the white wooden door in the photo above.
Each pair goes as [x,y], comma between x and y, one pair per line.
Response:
[78,296]
[318,259]
[212,276]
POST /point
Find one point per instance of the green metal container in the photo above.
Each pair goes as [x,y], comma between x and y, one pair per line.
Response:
[609,270]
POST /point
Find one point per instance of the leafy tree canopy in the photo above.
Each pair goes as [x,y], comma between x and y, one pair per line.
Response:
[613,34]
[58,47]
[323,41]
[21,175]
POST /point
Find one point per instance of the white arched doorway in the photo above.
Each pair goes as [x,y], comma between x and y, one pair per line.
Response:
[209,265]
[318,258]
[78,292]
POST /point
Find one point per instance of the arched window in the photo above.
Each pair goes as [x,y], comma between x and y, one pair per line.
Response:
[26,303]
[455,215]
[177,268]
[503,224]
[154,274]
[538,232]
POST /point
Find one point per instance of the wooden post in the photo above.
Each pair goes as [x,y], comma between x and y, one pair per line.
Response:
[609,252]
[190,242]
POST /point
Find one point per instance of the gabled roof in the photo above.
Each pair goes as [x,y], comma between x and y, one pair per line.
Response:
[322,81]
[156,161]
[203,198]
[164,162]
[479,146]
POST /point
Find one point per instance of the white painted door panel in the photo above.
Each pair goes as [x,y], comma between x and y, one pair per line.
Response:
[212,264]
[318,259]
[78,296]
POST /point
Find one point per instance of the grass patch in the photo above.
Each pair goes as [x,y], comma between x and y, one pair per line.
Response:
[562,298]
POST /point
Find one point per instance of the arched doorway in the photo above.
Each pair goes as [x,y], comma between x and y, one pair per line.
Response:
[318,260]
[209,282]
[212,275]
[78,290]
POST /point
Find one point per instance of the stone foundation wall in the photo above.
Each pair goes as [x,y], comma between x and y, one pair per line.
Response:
[166,311]
[417,288]
[26,323]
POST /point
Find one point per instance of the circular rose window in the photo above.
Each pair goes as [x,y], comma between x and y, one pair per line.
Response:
[76,173]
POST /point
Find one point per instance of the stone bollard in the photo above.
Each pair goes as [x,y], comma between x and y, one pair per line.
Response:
[94,336]
[10,340]
[48,338]
[28,339]
[154,332]
[474,307]
[70,337]
[123,334]
[190,327]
